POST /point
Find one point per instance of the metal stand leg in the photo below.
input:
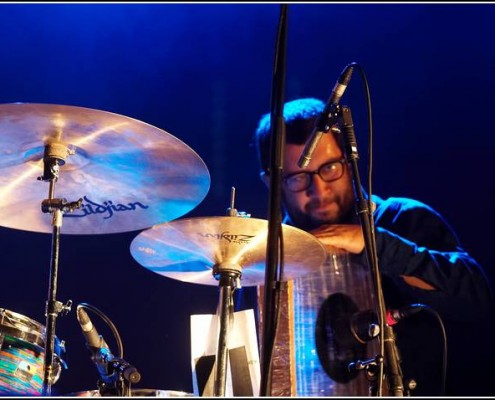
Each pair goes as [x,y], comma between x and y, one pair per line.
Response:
[228,283]
[52,306]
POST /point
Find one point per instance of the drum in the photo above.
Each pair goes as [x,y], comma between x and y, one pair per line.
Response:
[314,342]
[139,393]
[325,303]
[22,348]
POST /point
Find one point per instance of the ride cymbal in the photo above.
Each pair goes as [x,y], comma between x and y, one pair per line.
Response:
[190,249]
[130,175]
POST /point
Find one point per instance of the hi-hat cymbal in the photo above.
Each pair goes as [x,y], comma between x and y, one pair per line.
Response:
[189,249]
[130,175]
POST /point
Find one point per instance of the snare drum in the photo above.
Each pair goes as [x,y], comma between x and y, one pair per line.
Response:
[22,348]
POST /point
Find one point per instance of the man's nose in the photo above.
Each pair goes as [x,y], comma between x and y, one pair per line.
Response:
[317,185]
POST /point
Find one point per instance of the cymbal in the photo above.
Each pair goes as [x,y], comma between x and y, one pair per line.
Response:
[130,175]
[190,249]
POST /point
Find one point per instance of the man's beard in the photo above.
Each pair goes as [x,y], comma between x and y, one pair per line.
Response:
[307,221]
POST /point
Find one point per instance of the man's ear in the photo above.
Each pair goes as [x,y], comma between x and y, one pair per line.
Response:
[265,178]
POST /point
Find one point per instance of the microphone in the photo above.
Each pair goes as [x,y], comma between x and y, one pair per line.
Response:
[364,324]
[321,125]
[342,331]
[104,360]
[93,339]
[394,316]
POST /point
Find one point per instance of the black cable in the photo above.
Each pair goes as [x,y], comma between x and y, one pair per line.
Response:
[444,336]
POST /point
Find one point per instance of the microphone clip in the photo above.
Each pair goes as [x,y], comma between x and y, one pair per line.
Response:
[328,117]
[117,377]
[325,122]
[112,368]
[125,370]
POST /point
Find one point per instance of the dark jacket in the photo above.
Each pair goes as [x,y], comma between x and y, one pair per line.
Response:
[413,239]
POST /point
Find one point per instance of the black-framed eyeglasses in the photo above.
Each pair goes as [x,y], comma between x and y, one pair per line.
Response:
[330,171]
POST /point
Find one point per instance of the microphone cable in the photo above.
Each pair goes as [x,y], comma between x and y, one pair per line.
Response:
[444,336]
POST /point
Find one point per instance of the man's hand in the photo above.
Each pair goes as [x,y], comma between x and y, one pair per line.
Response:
[347,237]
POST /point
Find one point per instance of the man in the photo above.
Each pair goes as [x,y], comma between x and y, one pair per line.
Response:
[419,255]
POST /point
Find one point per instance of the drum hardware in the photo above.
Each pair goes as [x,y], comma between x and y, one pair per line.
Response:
[116,374]
[156,177]
[138,393]
[223,251]
[370,367]
[228,276]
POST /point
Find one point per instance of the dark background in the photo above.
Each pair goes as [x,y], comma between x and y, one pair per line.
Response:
[203,73]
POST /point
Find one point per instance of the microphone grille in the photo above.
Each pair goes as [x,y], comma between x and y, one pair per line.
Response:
[83,318]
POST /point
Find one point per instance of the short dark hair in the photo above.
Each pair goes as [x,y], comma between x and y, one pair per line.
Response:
[300,117]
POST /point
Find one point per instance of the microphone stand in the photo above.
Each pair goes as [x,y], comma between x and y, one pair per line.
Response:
[54,155]
[116,374]
[275,216]
[391,357]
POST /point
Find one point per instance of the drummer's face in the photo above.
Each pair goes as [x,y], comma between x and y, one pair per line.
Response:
[321,202]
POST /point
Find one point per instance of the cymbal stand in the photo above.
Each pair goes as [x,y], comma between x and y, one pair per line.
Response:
[55,154]
[228,274]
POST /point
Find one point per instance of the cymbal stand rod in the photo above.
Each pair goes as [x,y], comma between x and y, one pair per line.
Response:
[53,158]
[52,306]
[232,211]
[51,191]
[227,282]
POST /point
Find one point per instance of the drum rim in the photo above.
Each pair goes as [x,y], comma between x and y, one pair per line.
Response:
[10,325]
[21,327]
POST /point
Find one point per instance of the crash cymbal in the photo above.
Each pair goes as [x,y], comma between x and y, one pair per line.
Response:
[189,249]
[130,175]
